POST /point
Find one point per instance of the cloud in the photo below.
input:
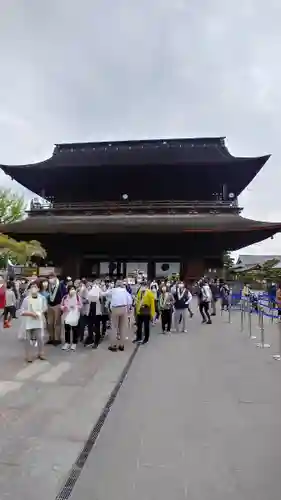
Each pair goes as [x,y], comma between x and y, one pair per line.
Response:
[74,71]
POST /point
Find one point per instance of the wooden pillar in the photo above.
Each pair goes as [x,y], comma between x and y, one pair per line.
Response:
[151,270]
[71,266]
[192,269]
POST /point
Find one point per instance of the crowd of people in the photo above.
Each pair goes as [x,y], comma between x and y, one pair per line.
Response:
[65,312]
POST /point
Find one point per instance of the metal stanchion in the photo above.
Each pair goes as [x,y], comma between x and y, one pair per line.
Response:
[277,357]
[262,344]
[229,306]
[242,315]
[246,301]
[251,336]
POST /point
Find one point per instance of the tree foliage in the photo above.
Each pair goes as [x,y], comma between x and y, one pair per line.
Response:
[228,260]
[20,252]
[12,207]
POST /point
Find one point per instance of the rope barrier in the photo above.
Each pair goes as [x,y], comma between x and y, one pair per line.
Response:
[261,306]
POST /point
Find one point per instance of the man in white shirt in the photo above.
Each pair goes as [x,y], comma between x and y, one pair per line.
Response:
[120,302]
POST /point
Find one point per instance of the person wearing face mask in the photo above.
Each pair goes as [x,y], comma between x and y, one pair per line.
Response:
[33,309]
[182,298]
[57,291]
[2,294]
[71,307]
[166,303]
[84,312]
[155,290]
[44,289]
[94,318]
[145,312]
[10,305]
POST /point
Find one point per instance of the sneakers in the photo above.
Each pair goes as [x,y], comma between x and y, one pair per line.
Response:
[67,347]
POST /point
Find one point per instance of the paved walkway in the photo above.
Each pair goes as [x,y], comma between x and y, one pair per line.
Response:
[47,411]
[198,418]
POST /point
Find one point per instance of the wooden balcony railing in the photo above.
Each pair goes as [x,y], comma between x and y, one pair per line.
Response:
[133,207]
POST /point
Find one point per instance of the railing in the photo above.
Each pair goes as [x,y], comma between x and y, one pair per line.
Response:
[136,207]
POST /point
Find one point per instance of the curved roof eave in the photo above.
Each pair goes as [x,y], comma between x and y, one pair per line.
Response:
[8,169]
[181,223]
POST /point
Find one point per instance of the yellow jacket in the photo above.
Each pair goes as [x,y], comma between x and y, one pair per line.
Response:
[147,299]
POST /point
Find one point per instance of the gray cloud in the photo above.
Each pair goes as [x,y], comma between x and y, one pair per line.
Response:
[93,70]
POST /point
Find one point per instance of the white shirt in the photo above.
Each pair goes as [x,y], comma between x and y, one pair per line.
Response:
[39,306]
[94,295]
[119,297]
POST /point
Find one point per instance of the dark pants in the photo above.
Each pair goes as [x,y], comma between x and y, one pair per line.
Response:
[94,324]
[204,311]
[143,321]
[83,322]
[156,309]
[104,320]
[67,333]
[189,310]
[9,313]
[166,319]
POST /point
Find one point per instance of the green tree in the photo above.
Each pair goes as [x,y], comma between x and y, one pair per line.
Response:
[20,252]
[228,260]
[12,207]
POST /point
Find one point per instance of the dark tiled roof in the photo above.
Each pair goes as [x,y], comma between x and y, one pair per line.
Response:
[253,260]
[190,156]
[164,152]
[180,222]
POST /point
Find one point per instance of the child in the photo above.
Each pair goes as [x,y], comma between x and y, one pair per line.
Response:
[33,309]
[10,305]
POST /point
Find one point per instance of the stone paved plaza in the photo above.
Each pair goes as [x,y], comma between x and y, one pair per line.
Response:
[198,417]
[47,411]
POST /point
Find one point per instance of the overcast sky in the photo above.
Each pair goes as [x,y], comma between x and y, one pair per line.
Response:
[122,69]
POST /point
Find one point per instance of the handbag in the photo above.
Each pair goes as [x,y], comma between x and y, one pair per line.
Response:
[72,317]
[144,308]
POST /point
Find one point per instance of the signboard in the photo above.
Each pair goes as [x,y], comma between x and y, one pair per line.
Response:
[46,271]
